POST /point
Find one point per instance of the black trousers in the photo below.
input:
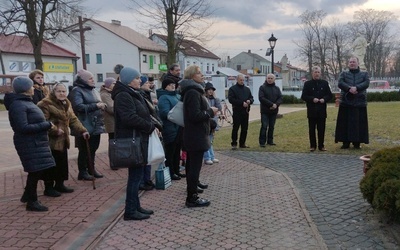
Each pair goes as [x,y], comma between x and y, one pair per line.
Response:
[319,124]
[173,156]
[32,182]
[194,162]
[83,160]
[240,119]
[60,171]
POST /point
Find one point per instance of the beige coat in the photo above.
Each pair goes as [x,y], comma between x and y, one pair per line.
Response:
[63,117]
[105,95]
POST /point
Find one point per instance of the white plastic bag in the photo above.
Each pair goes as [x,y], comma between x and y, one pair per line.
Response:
[156,153]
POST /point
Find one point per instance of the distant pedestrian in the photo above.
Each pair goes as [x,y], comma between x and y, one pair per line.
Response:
[270,97]
[352,119]
[174,73]
[241,98]
[30,138]
[57,109]
[316,93]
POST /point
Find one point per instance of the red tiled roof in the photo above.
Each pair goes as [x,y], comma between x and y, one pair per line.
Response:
[191,48]
[21,45]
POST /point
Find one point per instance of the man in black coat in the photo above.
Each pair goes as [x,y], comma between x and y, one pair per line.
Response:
[241,98]
[316,93]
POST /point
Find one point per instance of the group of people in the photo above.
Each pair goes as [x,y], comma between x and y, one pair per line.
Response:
[42,118]
[352,120]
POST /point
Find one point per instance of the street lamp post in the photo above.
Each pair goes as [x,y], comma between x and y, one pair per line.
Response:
[272,42]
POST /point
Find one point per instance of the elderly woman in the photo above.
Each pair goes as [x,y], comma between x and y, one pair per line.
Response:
[131,113]
[30,138]
[89,109]
[196,141]
[57,109]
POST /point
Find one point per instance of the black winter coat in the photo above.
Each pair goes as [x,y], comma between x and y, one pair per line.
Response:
[316,89]
[268,95]
[196,116]
[131,113]
[238,94]
[84,101]
[30,132]
[353,78]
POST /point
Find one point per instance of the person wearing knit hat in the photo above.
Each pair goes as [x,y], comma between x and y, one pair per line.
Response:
[166,82]
[22,84]
[85,75]
[144,80]
[127,75]
[108,81]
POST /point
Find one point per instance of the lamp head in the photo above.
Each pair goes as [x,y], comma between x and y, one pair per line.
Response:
[272,41]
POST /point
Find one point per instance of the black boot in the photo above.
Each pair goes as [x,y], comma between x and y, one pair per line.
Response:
[145,211]
[136,215]
[196,201]
[60,187]
[36,206]
[84,175]
[49,189]
[24,197]
[96,174]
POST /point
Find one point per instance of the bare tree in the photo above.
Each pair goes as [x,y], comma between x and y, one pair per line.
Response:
[38,20]
[305,46]
[375,27]
[179,19]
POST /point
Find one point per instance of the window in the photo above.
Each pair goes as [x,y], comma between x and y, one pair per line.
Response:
[99,77]
[87,57]
[238,67]
[208,67]
[151,62]
[212,67]
[99,59]
[145,58]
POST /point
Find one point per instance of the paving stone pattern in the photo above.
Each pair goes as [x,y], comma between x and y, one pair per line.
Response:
[329,186]
[251,208]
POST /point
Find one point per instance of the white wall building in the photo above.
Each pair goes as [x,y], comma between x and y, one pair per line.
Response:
[16,58]
[108,44]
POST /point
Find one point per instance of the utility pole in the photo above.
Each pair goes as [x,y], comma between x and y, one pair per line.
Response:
[81,31]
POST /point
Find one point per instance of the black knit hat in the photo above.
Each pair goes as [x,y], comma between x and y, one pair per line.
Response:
[167,81]
[208,86]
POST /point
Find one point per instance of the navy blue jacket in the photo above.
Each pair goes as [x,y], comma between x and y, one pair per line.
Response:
[30,132]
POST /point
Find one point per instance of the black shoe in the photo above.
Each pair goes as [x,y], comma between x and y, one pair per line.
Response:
[63,189]
[97,175]
[85,176]
[181,175]
[145,211]
[145,187]
[262,145]
[234,147]
[199,190]
[345,145]
[24,198]
[202,186]
[51,192]
[150,183]
[175,177]
[244,146]
[196,201]
[36,206]
[136,216]
[272,144]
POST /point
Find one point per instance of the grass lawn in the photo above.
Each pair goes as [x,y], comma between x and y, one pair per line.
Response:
[291,132]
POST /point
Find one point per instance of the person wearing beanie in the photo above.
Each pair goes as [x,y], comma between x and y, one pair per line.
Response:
[132,114]
[209,157]
[88,107]
[40,91]
[127,75]
[105,95]
[144,80]
[30,139]
[117,69]
[168,98]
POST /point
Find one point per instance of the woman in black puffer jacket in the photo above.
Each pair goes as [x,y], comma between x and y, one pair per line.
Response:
[131,113]
[30,138]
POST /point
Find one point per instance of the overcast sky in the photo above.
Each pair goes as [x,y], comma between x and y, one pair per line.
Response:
[246,25]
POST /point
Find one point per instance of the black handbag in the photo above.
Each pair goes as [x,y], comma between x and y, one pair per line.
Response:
[126,152]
